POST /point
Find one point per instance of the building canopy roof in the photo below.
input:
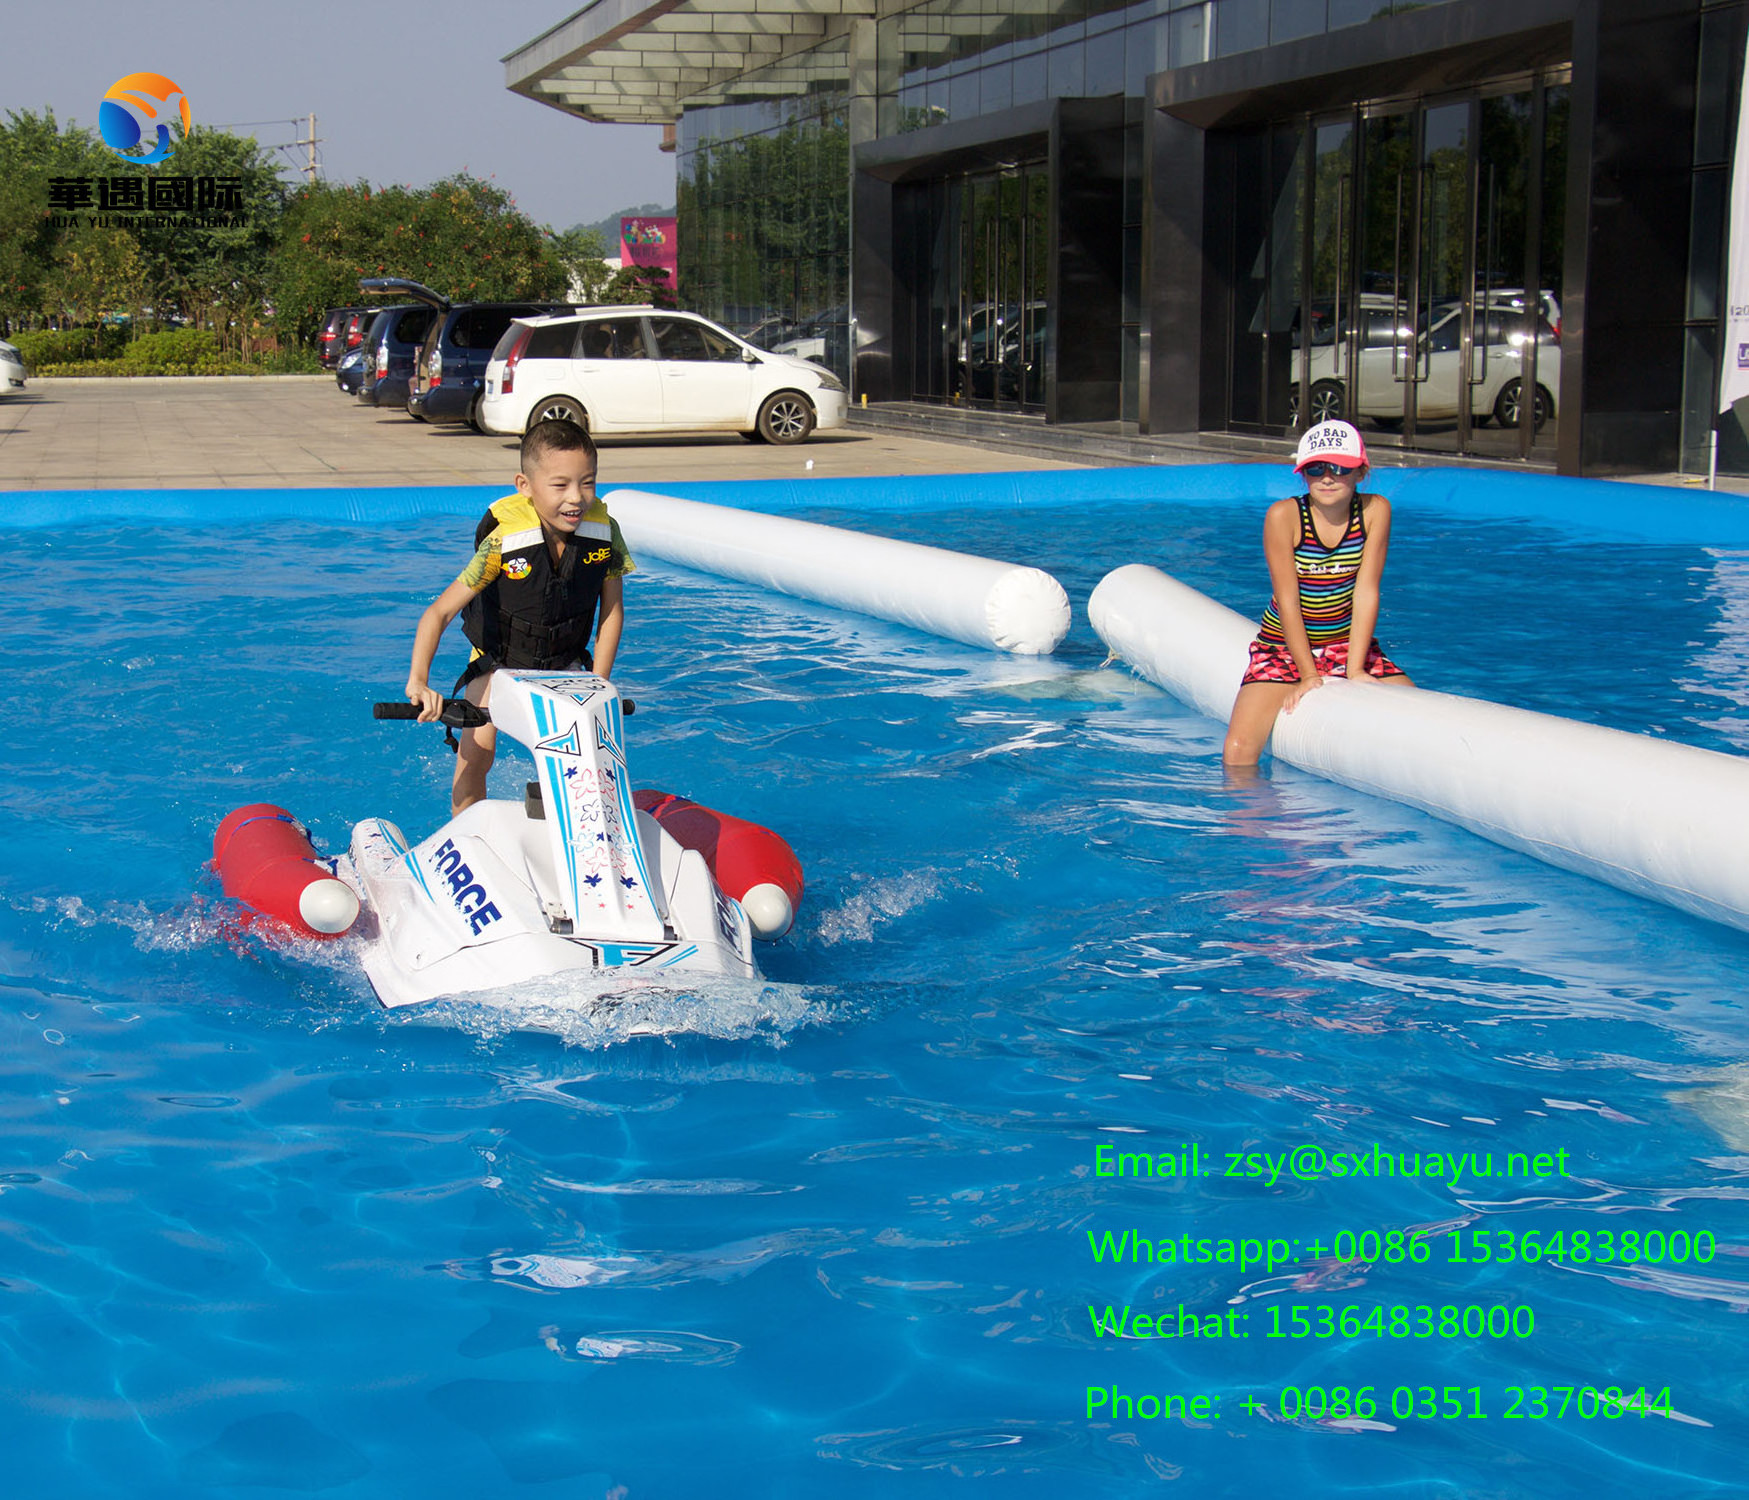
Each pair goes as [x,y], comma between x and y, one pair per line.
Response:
[641,61]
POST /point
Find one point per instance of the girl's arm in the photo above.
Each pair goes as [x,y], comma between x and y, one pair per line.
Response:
[1366,585]
[1280,536]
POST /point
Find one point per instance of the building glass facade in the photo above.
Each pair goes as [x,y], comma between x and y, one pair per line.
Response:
[1491,228]
[763,184]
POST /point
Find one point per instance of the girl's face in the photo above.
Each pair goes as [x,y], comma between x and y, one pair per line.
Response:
[1332,483]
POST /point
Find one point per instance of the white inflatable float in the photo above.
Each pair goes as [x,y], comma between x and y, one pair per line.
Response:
[973,599]
[1659,819]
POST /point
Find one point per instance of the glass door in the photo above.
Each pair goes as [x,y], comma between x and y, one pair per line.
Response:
[982,328]
[1431,256]
[1325,364]
[1380,332]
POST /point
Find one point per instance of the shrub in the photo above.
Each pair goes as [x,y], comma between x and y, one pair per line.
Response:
[63,346]
[177,351]
[206,364]
[293,361]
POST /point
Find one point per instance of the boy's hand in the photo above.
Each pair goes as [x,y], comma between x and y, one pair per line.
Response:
[426,699]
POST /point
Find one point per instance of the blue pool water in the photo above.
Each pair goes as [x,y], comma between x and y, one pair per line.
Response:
[257,1235]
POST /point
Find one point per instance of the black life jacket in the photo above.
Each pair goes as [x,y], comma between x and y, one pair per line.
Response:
[538,614]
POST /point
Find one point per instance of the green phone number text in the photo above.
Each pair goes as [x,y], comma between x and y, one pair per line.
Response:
[1457,1403]
[1419,1321]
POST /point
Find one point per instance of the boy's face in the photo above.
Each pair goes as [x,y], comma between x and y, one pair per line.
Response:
[560,486]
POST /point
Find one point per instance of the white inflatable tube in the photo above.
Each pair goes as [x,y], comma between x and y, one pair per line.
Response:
[1658,819]
[972,599]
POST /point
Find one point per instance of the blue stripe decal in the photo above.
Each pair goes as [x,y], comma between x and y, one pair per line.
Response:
[556,798]
[408,860]
[680,957]
[544,723]
[629,816]
[627,811]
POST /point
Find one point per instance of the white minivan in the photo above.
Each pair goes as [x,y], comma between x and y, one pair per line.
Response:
[11,370]
[643,369]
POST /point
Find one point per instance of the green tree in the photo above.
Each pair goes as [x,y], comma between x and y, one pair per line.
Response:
[97,270]
[582,252]
[216,274]
[33,149]
[461,237]
[639,284]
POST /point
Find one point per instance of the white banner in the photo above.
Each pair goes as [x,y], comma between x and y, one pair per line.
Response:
[1734,357]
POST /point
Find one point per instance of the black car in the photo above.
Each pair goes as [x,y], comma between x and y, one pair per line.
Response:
[391,347]
[356,328]
[349,373]
[331,341]
[341,331]
[450,372]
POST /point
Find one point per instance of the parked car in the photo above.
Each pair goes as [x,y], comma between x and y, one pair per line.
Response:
[768,333]
[642,369]
[1387,359]
[356,327]
[450,370]
[11,370]
[331,342]
[819,338]
[391,349]
[349,373]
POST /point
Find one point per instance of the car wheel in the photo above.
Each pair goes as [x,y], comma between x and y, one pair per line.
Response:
[559,409]
[1508,404]
[1328,401]
[786,418]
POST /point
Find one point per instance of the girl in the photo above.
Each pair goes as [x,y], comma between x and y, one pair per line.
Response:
[1326,553]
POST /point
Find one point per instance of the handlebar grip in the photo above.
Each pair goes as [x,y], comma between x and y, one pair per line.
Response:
[458,713]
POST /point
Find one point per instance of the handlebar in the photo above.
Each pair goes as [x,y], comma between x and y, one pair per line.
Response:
[458,713]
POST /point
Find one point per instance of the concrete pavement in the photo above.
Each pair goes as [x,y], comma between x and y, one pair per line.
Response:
[301,431]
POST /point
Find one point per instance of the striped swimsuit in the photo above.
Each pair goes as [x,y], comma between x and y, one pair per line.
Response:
[1327,576]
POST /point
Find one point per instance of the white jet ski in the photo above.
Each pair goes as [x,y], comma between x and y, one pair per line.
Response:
[572,880]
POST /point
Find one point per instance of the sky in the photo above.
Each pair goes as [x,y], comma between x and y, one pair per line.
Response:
[402,92]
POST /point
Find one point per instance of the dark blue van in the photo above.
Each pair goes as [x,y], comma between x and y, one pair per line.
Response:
[390,350]
[449,372]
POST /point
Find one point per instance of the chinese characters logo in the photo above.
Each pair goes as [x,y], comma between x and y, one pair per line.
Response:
[130,111]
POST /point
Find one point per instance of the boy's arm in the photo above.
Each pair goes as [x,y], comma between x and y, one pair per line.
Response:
[444,608]
[613,618]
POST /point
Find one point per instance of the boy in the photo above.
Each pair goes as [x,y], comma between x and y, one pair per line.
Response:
[547,556]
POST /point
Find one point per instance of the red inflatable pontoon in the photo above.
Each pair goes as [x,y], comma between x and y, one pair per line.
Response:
[750,863]
[266,861]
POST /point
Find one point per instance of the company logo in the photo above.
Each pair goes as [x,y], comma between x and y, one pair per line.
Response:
[134,117]
[1743,356]
[518,567]
[465,891]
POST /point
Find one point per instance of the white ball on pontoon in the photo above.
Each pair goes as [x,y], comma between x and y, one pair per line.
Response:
[768,909]
[329,906]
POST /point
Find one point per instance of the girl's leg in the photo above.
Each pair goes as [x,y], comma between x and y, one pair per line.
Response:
[474,759]
[1254,712]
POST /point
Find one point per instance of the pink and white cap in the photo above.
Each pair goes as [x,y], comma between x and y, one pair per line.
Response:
[1330,442]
